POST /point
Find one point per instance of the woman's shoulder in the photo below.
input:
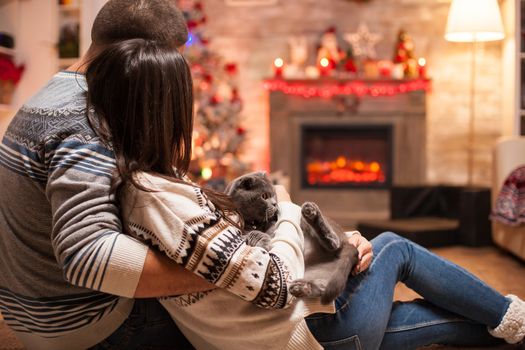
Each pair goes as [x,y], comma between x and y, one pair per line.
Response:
[172,191]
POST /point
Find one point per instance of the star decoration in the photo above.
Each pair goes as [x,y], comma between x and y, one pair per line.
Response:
[363,42]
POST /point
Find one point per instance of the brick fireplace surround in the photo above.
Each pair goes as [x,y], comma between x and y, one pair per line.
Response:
[406,115]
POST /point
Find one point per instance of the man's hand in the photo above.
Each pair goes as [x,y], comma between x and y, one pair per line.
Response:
[364,247]
[161,277]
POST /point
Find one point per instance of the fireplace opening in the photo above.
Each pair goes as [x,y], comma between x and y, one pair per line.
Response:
[346,156]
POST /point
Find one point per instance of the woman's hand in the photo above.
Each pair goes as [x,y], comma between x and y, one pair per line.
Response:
[364,247]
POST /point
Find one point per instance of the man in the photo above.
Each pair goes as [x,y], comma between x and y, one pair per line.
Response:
[68,275]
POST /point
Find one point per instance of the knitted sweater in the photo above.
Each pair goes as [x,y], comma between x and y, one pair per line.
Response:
[64,261]
[252,309]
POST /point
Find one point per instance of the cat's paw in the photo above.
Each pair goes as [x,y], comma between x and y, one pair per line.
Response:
[310,211]
[300,288]
[258,239]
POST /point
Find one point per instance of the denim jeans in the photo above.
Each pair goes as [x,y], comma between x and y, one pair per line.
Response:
[148,327]
[456,310]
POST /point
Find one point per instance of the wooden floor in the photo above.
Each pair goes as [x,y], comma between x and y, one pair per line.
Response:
[499,269]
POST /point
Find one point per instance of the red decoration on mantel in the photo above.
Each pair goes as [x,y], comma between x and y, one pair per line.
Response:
[355,87]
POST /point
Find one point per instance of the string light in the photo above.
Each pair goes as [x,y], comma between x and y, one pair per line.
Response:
[358,88]
[279,62]
[206,173]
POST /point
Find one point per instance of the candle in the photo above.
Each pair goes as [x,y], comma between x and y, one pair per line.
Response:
[324,67]
[398,71]
[371,69]
[278,65]
[422,68]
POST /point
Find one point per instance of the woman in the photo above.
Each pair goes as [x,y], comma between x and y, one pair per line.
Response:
[142,95]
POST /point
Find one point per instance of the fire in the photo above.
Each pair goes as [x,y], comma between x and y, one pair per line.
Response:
[343,170]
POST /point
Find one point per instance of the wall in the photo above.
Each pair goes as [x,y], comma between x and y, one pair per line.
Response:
[254,36]
[35,26]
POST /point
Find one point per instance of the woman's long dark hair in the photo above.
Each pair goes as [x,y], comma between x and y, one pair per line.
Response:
[142,96]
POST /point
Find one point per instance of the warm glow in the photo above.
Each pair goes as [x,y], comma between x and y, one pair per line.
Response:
[279,62]
[474,20]
[324,62]
[375,167]
[343,171]
[206,173]
[422,62]
[341,162]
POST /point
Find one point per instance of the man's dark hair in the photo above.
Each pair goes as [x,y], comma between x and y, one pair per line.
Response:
[157,20]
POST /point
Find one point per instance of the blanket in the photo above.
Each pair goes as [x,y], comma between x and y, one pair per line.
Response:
[510,204]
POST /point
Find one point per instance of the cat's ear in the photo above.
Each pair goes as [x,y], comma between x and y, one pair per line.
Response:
[262,174]
[247,183]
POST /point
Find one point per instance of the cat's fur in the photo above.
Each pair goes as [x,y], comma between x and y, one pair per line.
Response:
[329,257]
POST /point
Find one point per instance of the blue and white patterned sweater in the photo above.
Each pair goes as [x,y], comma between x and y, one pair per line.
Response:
[66,270]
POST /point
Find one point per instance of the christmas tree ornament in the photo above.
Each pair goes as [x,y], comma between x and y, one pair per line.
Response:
[404,54]
[363,42]
[330,50]
[349,63]
[298,50]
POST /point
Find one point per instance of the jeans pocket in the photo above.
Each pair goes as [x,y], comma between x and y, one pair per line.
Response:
[350,343]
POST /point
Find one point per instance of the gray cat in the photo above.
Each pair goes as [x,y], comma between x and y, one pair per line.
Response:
[329,258]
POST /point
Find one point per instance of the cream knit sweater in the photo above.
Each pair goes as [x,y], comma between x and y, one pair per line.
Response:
[252,308]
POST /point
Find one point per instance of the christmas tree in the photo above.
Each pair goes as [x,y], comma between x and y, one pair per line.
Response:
[218,133]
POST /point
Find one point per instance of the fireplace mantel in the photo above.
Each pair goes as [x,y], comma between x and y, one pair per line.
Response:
[405,112]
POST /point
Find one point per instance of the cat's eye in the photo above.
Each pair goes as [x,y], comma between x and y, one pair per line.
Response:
[265,196]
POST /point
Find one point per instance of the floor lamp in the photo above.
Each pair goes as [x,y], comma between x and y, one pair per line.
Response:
[473,21]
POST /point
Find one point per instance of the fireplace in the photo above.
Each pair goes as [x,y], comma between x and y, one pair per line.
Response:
[349,156]
[346,159]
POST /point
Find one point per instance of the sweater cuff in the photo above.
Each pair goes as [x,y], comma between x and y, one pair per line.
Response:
[351,233]
[124,267]
[290,212]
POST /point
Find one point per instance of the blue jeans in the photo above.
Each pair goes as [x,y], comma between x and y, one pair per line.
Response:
[148,327]
[456,310]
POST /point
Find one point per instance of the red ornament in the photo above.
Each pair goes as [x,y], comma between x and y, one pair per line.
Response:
[215,100]
[331,29]
[9,71]
[230,68]
[241,130]
[350,66]
[198,6]
[208,78]
[192,24]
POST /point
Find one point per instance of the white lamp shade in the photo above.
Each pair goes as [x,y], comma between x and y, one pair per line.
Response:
[474,20]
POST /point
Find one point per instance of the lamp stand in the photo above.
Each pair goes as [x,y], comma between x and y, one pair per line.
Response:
[472,115]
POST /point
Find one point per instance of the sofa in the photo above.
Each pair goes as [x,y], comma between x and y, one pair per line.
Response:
[508,154]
